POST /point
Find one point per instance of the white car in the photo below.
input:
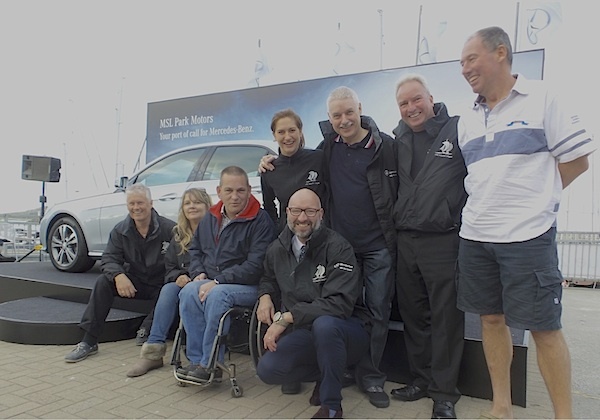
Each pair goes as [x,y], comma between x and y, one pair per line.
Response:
[74,233]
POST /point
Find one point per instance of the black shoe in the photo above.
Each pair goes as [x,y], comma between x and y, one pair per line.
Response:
[323,413]
[141,336]
[291,388]
[200,374]
[443,410]
[378,397]
[80,352]
[348,379]
[315,398]
[409,393]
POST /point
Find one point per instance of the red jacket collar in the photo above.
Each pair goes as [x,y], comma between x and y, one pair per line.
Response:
[249,212]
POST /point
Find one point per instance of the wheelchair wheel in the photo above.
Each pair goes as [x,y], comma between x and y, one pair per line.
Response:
[256,333]
[237,391]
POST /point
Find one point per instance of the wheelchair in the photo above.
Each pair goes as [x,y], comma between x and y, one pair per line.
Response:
[240,317]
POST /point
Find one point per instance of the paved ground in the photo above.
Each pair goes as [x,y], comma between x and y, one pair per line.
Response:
[35,382]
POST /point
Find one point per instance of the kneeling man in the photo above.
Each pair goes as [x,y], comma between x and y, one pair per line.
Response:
[310,270]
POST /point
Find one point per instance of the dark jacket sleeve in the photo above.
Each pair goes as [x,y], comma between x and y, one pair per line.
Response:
[113,258]
[268,198]
[340,291]
[268,282]
[195,251]
[261,234]
[173,262]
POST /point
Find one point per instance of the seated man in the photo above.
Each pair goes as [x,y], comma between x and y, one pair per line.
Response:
[226,258]
[312,270]
[133,267]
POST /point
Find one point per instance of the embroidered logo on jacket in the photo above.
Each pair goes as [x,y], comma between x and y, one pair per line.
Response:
[446,150]
[319,274]
[344,266]
[312,178]
[165,246]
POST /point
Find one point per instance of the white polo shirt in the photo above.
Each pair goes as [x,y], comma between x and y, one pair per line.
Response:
[512,154]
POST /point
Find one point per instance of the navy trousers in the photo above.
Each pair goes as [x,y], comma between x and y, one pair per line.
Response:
[319,354]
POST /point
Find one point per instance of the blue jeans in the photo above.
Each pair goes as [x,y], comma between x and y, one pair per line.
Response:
[201,319]
[378,273]
[320,354]
[165,312]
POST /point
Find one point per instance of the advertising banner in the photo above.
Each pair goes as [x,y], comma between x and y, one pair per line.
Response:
[246,114]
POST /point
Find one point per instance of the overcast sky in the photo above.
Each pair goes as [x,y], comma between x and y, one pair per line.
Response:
[77,76]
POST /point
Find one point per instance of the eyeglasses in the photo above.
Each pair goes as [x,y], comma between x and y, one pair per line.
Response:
[296,211]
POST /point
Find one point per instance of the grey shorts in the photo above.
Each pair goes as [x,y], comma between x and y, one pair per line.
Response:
[519,279]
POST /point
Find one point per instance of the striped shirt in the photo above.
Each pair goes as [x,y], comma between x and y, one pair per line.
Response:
[512,154]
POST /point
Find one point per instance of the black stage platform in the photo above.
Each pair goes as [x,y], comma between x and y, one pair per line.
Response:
[41,305]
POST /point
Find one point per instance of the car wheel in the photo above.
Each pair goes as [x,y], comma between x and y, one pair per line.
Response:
[67,247]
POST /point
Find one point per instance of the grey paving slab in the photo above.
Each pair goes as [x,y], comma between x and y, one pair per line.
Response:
[35,382]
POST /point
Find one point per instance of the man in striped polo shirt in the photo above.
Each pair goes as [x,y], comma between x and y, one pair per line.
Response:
[522,145]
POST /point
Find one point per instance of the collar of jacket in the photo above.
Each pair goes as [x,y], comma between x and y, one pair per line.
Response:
[317,238]
[249,213]
[297,155]
[433,126]
[152,229]
[366,122]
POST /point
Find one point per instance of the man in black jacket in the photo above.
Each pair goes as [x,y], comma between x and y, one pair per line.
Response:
[363,183]
[132,267]
[362,186]
[427,216]
[310,273]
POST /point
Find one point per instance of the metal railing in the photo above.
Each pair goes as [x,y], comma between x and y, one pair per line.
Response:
[578,255]
[18,239]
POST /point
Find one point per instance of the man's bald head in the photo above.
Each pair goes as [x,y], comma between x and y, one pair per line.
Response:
[304,213]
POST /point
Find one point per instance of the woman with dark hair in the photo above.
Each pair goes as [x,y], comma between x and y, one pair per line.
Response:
[296,166]
[194,205]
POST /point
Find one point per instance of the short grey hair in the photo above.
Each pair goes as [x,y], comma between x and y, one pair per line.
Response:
[492,37]
[412,77]
[343,92]
[139,189]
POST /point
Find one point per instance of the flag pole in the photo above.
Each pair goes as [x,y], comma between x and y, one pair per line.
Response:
[380,11]
[419,35]
[517,26]
[258,78]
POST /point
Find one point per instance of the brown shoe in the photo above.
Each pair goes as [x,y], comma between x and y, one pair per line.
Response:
[151,357]
[143,366]
[323,413]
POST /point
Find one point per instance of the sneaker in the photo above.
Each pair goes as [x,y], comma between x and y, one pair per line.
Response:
[378,397]
[182,371]
[324,413]
[200,374]
[141,336]
[80,352]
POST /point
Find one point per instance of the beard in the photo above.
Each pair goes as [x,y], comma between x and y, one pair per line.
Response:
[307,232]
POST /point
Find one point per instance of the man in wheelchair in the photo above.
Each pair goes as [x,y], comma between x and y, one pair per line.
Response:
[321,328]
[226,258]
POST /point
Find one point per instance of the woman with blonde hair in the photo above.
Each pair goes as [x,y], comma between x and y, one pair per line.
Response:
[195,203]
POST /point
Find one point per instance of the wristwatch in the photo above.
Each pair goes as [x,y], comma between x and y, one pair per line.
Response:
[278,319]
